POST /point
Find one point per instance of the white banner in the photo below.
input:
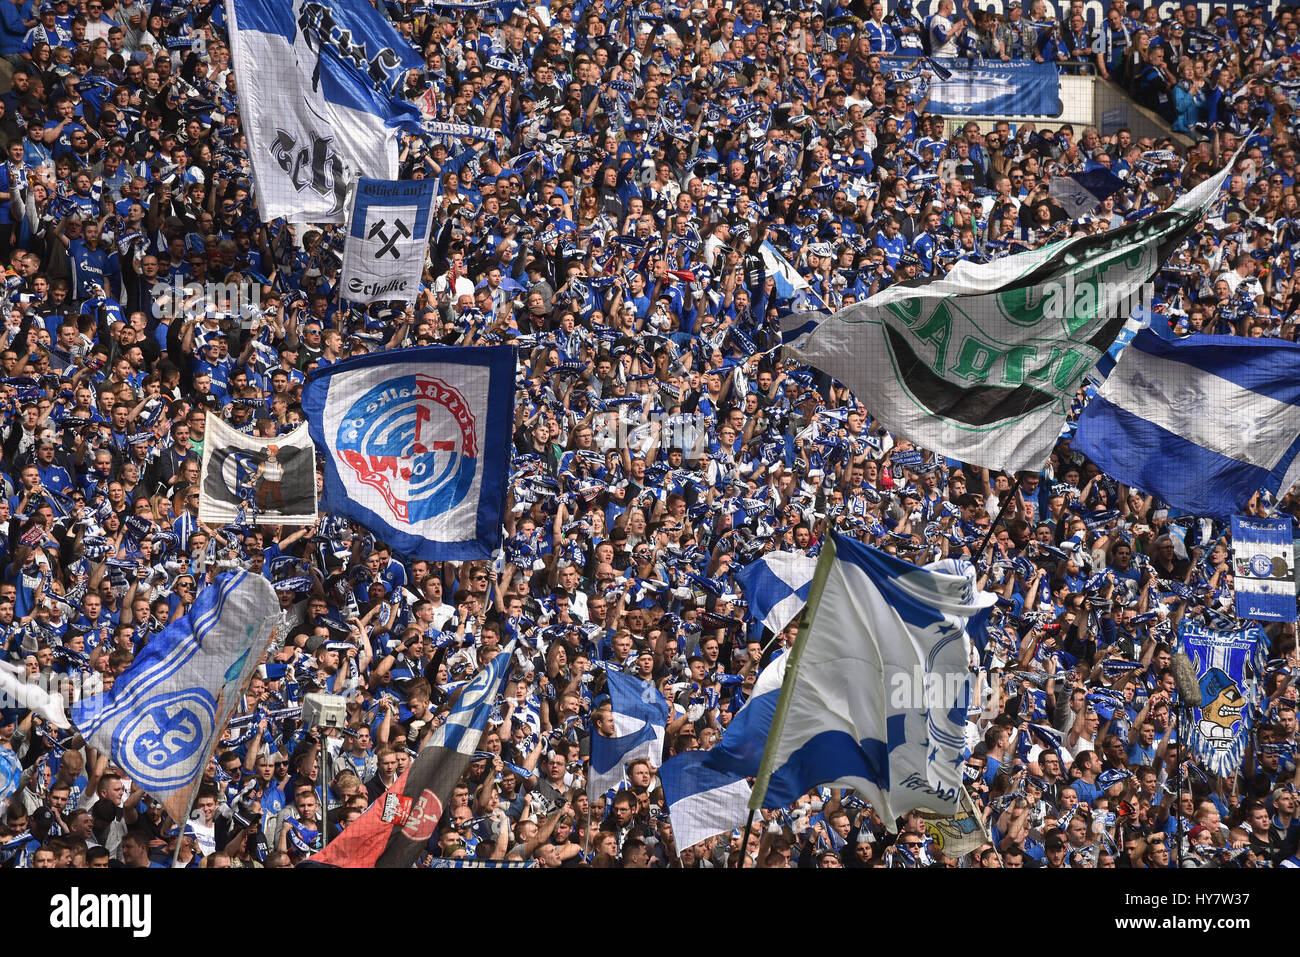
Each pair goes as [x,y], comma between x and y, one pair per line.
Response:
[266,481]
[313,110]
[388,239]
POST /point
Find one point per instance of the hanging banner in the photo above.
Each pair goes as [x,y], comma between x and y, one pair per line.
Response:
[388,239]
[266,481]
[1017,88]
[1263,576]
[1227,663]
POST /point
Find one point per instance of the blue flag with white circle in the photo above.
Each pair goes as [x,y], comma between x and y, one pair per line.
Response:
[416,445]
[161,719]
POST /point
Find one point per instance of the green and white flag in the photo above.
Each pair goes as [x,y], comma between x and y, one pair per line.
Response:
[982,364]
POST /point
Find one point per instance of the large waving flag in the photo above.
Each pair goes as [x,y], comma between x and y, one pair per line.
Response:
[1080,193]
[161,719]
[1228,665]
[317,94]
[416,445]
[776,587]
[982,364]
[395,830]
[877,686]
[1203,422]
[640,717]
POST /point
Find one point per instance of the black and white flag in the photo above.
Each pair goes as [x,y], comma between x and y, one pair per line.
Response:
[264,481]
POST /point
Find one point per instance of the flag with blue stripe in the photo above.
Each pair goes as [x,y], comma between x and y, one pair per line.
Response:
[416,445]
[388,239]
[1081,192]
[1142,318]
[708,792]
[701,800]
[787,278]
[878,685]
[318,82]
[1228,664]
[776,587]
[1203,423]
[160,721]
[464,723]
[796,325]
[639,714]
[1263,580]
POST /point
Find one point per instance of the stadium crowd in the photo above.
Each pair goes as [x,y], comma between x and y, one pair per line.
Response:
[613,230]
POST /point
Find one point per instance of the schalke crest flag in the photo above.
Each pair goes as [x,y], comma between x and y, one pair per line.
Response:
[388,238]
[1262,574]
[416,445]
[266,481]
[1227,663]
[160,721]
[983,364]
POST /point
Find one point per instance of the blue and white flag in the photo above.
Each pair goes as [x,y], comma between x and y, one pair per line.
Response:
[388,239]
[708,792]
[788,280]
[878,684]
[639,714]
[417,445]
[776,587]
[160,721]
[989,88]
[1142,318]
[1263,578]
[318,82]
[1203,423]
[1227,665]
[701,800]
[1081,192]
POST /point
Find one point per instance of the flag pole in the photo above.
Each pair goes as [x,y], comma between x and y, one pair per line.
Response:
[744,841]
[189,805]
[767,765]
[1003,500]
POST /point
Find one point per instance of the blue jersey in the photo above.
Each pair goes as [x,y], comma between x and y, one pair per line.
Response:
[91,267]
